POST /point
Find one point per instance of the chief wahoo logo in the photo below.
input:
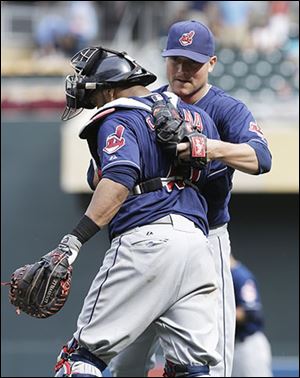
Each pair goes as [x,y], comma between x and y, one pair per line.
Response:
[187,38]
[115,141]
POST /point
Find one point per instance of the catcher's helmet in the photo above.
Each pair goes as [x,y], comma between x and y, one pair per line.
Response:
[97,67]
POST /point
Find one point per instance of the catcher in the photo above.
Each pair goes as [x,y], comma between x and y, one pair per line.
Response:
[41,289]
[154,209]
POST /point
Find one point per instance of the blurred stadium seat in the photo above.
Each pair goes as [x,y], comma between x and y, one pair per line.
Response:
[267,80]
[243,72]
[266,75]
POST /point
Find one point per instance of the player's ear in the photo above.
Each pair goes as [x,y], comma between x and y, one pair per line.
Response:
[112,93]
[211,63]
[109,94]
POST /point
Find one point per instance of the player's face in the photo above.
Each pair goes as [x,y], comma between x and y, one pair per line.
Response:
[187,78]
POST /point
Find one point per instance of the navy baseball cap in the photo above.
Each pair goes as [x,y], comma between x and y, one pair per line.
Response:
[190,39]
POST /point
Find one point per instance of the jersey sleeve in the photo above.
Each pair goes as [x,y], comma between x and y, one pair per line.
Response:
[239,126]
[118,151]
[117,145]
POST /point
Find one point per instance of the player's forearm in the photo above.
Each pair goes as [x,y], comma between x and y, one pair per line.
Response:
[238,156]
[106,201]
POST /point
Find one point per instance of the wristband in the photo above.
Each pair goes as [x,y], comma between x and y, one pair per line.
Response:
[85,229]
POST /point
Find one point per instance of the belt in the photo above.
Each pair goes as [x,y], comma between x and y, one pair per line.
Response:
[158,183]
[175,220]
[165,220]
[153,184]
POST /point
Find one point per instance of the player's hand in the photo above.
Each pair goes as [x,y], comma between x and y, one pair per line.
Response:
[69,246]
[193,150]
[183,151]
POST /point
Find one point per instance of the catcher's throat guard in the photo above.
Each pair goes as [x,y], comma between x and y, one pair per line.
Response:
[100,68]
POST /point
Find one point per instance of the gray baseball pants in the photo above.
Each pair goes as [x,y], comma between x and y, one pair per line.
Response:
[138,358]
[160,274]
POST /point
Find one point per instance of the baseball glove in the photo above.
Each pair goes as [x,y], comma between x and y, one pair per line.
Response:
[41,289]
[171,130]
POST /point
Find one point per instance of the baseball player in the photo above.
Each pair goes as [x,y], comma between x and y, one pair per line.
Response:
[252,354]
[190,58]
[159,269]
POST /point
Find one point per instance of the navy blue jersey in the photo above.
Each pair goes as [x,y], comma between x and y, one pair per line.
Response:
[129,154]
[235,124]
[247,296]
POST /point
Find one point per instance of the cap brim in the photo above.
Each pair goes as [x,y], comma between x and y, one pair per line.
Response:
[200,58]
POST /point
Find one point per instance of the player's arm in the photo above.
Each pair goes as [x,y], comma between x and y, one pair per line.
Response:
[238,156]
[41,289]
[242,157]
[106,201]
[243,146]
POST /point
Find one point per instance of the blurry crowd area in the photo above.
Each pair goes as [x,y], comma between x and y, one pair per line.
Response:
[257,42]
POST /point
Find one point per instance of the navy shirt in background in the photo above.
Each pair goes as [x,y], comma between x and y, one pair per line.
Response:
[248,297]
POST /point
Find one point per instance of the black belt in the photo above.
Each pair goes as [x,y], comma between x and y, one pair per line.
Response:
[158,183]
[153,184]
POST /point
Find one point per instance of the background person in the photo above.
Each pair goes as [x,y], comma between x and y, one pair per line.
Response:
[252,353]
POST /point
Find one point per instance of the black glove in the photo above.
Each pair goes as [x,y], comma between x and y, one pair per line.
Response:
[42,288]
[171,130]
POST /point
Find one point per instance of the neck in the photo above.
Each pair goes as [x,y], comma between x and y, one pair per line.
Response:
[137,90]
[192,98]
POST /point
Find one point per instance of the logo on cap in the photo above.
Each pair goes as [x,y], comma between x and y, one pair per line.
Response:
[187,38]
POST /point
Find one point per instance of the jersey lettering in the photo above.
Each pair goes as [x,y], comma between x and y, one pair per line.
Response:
[149,123]
[193,119]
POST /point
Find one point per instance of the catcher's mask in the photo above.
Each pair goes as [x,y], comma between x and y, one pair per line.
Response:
[100,68]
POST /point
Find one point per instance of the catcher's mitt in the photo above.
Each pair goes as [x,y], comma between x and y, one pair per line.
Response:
[171,130]
[41,289]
